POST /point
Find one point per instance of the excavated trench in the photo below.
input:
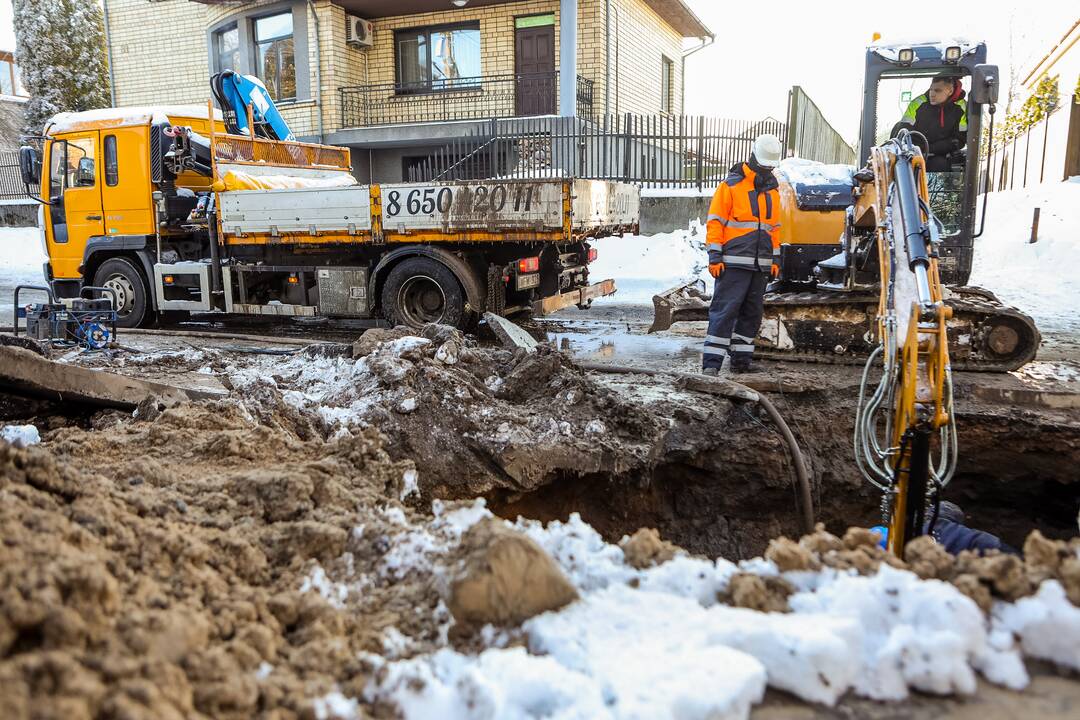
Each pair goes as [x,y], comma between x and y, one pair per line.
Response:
[726,492]
[538,437]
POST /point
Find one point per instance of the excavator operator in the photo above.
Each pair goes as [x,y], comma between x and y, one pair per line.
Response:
[940,114]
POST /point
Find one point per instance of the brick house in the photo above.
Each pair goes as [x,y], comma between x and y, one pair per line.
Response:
[417,73]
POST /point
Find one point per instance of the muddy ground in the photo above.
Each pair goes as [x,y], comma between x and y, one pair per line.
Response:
[153,561]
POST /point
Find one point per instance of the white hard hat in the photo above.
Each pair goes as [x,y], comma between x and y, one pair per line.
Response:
[767,150]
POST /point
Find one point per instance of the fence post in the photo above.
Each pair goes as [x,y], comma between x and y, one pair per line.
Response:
[626,148]
[701,153]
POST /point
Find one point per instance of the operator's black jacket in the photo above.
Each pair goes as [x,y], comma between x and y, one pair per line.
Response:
[944,125]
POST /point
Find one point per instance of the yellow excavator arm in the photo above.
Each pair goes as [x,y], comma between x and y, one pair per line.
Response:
[905,430]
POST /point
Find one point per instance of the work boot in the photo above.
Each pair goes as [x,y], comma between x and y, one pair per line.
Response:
[740,367]
[711,372]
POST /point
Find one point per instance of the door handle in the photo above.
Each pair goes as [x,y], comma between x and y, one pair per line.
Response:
[93,217]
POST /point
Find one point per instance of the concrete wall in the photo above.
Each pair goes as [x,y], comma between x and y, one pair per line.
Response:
[18,215]
[667,214]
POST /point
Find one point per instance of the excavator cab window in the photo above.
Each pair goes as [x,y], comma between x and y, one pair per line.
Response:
[903,102]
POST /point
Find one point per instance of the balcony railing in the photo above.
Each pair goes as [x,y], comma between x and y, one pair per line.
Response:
[471,98]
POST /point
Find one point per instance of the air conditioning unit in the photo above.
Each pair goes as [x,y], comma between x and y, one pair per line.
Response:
[359,32]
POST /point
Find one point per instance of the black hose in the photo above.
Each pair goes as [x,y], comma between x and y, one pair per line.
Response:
[801,477]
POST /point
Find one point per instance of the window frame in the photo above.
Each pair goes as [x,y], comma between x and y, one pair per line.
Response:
[215,45]
[667,85]
[255,41]
[111,166]
[428,87]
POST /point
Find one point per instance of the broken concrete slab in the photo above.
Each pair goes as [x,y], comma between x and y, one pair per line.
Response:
[509,334]
[28,374]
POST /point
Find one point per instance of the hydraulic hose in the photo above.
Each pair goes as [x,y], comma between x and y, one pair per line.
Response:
[802,478]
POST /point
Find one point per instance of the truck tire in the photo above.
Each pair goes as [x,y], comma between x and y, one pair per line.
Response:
[421,290]
[132,293]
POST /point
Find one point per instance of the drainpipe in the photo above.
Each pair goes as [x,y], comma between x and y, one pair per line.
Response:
[705,42]
[108,55]
[318,69]
[568,40]
[607,57]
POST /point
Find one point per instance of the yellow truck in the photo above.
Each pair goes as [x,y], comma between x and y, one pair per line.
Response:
[163,207]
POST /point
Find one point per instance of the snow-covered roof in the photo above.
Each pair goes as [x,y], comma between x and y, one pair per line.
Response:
[123,117]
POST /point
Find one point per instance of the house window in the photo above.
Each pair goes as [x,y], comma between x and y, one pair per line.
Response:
[275,57]
[7,78]
[112,164]
[441,58]
[667,85]
[227,49]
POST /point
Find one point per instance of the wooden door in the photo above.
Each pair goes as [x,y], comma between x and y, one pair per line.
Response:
[535,62]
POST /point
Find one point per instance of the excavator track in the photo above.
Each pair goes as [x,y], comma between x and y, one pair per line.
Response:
[837,328]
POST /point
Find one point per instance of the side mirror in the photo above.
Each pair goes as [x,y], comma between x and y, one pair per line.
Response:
[84,174]
[985,83]
[29,165]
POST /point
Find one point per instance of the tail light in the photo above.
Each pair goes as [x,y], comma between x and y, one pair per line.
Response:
[528,265]
[593,254]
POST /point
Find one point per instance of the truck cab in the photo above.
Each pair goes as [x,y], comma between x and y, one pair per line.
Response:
[100,220]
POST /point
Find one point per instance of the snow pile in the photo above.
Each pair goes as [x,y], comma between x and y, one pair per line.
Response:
[657,643]
[799,171]
[1035,277]
[643,266]
[20,435]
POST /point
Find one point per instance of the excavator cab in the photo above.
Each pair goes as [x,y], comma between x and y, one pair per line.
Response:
[895,76]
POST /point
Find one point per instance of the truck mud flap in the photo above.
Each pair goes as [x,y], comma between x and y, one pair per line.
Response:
[580,297]
[682,302]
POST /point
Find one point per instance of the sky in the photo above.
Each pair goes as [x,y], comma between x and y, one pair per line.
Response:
[762,49]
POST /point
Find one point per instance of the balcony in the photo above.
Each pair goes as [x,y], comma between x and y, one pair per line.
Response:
[471,98]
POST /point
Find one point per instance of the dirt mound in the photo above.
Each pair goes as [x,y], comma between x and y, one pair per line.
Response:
[156,570]
[474,419]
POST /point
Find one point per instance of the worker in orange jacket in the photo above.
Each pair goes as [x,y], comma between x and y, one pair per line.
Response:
[744,252]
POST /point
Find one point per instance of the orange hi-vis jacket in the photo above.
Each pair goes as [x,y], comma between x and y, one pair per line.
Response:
[744,221]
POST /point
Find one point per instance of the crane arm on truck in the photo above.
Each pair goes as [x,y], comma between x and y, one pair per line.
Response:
[235,93]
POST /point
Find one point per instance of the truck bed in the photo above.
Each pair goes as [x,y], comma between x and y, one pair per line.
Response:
[452,211]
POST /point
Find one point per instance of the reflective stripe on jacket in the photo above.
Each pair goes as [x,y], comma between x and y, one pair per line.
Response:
[744,221]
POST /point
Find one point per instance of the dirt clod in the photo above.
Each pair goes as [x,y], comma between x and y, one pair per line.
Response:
[756,592]
[505,578]
[645,549]
[788,555]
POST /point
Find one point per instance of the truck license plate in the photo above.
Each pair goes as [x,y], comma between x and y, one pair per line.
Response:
[525,282]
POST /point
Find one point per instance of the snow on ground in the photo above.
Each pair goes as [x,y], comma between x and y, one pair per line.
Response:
[646,265]
[1038,278]
[20,434]
[21,258]
[656,643]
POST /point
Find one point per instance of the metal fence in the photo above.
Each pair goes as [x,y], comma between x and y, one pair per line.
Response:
[470,98]
[11,184]
[661,151]
[810,135]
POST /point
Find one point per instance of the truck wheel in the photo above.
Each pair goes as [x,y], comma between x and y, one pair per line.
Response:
[120,275]
[420,291]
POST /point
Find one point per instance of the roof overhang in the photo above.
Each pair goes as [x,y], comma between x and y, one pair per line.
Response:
[675,12]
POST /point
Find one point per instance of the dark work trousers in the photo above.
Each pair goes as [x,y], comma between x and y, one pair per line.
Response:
[738,302]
